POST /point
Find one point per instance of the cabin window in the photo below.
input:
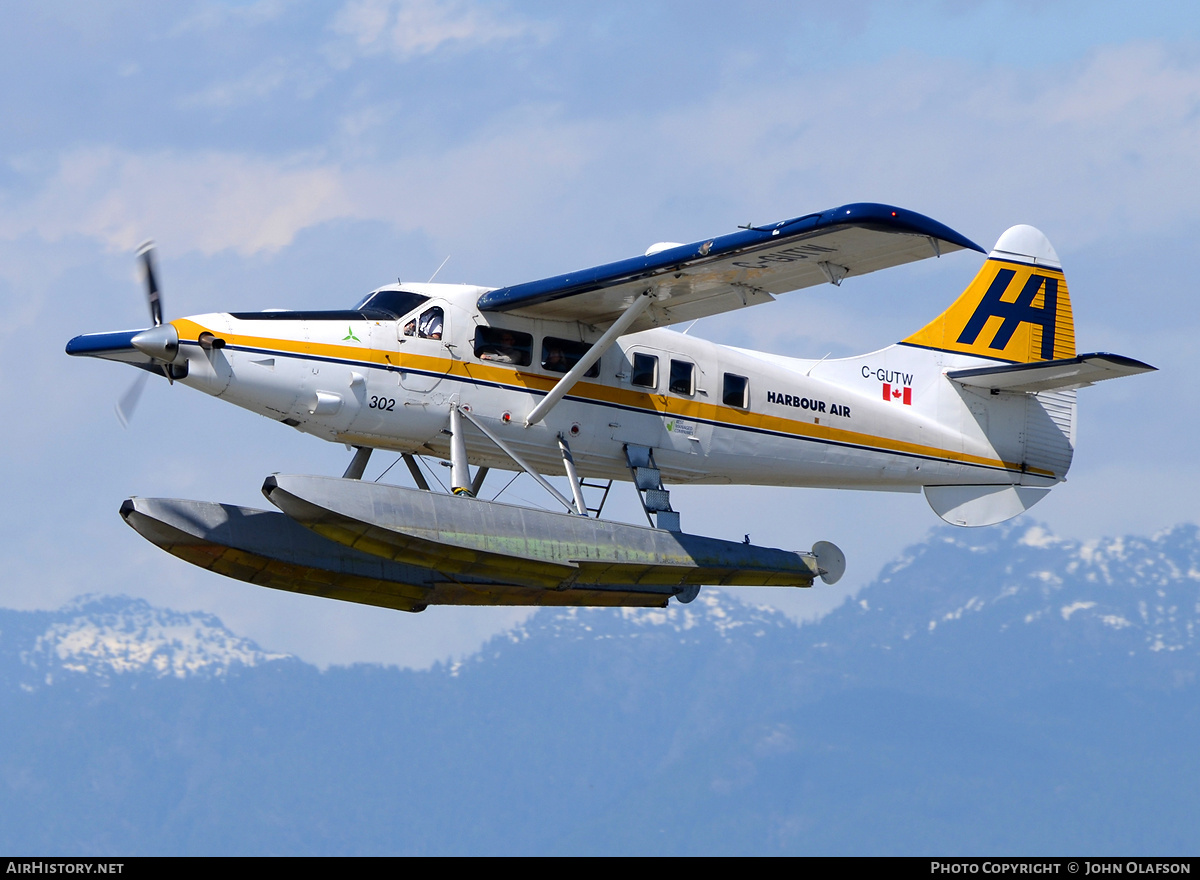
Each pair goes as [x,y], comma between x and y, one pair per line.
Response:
[431,322]
[683,377]
[503,346]
[735,391]
[645,371]
[560,355]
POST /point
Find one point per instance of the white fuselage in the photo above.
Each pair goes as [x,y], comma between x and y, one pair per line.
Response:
[791,423]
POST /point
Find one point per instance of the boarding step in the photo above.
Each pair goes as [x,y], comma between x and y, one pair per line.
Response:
[657,500]
[668,519]
[647,479]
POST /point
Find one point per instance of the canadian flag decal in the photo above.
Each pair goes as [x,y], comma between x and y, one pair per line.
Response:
[895,392]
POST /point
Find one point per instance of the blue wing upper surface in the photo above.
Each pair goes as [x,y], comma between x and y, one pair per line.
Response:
[736,270]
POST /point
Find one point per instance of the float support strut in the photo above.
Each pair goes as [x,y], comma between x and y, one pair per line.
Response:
[358,464]
[569,466]
[418,477]
[460,473]
[521,463]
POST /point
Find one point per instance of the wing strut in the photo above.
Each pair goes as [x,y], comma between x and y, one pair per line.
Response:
[603,344]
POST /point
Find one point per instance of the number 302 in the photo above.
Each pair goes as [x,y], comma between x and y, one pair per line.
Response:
[384,403]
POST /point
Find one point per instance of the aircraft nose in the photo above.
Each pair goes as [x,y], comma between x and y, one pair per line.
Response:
[161,342]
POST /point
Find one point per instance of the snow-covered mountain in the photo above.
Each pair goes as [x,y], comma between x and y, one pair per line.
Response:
[1142,594]
[117,636]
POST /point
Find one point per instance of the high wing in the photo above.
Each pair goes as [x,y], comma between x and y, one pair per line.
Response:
[735,270]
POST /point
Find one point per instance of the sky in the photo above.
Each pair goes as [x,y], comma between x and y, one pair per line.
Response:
[296,155]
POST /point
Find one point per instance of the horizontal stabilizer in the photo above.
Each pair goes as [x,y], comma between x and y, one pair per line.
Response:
[1075,372]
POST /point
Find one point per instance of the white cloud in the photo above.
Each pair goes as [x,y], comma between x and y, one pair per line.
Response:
[212,202]
[1089,152]
[258,84]
[211,15]
[207,201]
[412,28]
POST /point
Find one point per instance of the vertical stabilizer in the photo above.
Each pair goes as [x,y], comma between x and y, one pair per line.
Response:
[1016,309]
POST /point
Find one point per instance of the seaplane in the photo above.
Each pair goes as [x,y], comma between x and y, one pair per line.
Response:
[578,376]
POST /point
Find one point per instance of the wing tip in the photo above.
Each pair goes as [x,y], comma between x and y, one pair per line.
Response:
[900,219]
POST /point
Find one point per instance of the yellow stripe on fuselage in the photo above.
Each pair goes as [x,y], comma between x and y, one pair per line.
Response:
[515,379]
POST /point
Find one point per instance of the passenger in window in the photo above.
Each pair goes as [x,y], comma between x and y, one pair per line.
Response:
[431,324]
[410,329]
[504,350]
[556,360]
[561,356]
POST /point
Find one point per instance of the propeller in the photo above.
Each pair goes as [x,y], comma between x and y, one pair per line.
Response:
[160,341]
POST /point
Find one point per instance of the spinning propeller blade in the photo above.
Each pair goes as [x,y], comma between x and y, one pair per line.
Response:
[129,400]
[146,252]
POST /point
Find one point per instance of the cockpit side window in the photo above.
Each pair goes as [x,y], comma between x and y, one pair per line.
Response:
[397,302]
[431,322]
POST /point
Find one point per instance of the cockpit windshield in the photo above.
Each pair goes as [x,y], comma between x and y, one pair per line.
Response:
[396,302]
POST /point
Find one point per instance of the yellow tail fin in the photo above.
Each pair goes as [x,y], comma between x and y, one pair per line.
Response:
[1017,309]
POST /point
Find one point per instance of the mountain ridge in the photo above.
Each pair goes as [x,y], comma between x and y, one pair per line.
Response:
[1022,721]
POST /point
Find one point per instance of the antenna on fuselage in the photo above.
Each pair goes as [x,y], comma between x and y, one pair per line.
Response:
[438,269]
[817,364]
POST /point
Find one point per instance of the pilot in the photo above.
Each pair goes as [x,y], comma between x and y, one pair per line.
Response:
[410,329]
[431,324]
